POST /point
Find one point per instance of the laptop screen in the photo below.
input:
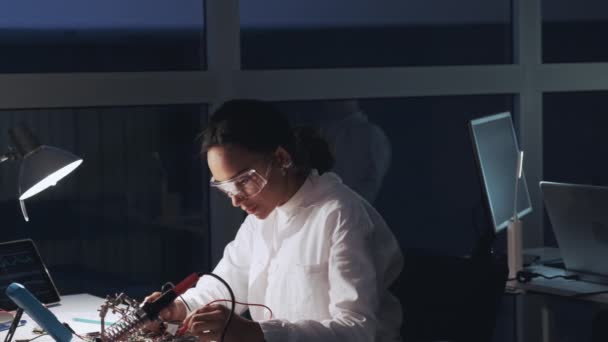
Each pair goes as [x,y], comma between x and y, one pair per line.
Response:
[20,262]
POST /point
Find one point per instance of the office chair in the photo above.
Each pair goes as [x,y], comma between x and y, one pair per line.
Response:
[447,298]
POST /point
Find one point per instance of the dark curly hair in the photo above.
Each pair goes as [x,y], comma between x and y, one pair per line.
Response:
[260,128]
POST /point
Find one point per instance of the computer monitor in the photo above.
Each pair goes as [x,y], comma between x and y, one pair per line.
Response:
[496,151]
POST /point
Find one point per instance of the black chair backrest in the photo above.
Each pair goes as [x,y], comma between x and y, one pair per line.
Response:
[450,298]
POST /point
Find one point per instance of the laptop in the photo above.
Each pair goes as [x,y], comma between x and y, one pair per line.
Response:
[21,262]
[579,216]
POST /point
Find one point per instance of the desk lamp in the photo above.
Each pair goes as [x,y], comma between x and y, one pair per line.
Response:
[42,166]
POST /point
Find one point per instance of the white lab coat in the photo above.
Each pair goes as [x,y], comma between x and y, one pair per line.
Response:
[322,262]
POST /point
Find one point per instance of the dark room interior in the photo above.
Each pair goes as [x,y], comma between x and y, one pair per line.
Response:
[392,86]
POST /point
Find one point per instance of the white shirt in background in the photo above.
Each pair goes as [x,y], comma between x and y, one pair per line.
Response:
[322,262]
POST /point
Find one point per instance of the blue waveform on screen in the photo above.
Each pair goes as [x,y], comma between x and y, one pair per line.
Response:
[15,260]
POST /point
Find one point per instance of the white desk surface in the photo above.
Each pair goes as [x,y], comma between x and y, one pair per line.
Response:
[81,306]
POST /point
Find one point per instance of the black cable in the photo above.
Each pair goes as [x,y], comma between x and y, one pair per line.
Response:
[527,276]
[232,300]
[166,288]
[568,277]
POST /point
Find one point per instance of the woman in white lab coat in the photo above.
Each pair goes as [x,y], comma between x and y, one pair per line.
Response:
[312,250]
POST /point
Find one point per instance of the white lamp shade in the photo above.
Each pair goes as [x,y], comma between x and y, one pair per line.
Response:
[44,167]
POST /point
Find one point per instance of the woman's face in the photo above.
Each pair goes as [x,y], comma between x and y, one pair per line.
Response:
[226,162]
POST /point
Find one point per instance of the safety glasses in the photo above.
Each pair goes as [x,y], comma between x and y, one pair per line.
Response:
[246,184]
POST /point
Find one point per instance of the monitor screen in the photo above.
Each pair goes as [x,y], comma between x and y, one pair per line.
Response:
[20,262]
[496,150]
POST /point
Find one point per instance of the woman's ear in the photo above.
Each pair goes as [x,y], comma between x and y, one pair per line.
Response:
[283,158]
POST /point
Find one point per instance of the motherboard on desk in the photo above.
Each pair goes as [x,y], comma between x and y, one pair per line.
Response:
[128,328]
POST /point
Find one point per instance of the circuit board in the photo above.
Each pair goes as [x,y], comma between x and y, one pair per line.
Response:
[131,329]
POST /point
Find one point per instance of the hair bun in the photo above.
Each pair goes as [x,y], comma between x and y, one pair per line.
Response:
[312,149]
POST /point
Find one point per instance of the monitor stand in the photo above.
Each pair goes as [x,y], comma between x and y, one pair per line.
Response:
[514,247]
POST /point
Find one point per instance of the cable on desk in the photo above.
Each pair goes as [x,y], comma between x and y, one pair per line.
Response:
[73,332]
[232,303]
[31,339]
[527,276]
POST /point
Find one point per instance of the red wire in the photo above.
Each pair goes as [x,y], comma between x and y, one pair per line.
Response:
[184,327]
[228,300]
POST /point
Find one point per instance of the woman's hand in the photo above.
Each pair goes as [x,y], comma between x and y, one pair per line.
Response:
[176,311]
[208,323]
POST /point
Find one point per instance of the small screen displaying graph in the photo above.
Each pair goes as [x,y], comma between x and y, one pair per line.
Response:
[21,263]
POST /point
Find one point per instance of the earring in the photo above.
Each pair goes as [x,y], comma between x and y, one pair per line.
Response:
[286,167]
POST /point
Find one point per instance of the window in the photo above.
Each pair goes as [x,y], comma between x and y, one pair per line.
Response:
[111,35]
[573,31]
[364,33]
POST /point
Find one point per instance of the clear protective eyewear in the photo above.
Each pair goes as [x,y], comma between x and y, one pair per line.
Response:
[245,185]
